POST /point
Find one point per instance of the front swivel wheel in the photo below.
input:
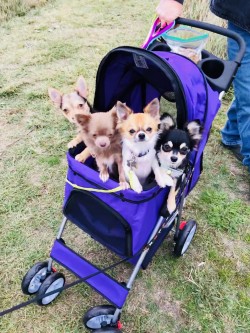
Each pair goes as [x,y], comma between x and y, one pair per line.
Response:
[34,278]
[51,283]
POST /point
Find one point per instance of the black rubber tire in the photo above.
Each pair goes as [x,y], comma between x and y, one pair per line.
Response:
[95,312]
[107,330]
[184,238]
[30,275]
[54,278]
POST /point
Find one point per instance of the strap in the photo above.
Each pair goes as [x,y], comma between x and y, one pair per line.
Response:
[37,298]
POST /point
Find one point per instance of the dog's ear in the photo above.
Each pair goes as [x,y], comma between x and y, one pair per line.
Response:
[167,122]
[122,111]
[81,87]
[114,115]
[194,130]
[55,96]
[83,119]
[153,108]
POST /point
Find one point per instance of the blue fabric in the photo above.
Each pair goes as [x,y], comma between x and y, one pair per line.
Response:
[237,127]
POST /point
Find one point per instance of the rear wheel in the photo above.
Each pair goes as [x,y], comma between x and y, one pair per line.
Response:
[100,317]
[185,236]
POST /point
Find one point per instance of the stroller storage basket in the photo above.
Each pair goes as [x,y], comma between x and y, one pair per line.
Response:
[121,221]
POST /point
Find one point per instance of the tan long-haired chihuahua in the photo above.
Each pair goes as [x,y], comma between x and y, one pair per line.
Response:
[139,132]
[72,104]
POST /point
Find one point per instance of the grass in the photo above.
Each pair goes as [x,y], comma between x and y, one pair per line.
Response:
[11,8]
[208,289]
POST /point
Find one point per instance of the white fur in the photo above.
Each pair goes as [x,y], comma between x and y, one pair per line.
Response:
[167,122]
[144,164]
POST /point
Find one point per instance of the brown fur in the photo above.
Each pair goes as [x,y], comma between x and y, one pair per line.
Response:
[72,104]
[103,141]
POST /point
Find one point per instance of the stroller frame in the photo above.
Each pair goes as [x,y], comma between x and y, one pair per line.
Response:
[137,267]
[216,75]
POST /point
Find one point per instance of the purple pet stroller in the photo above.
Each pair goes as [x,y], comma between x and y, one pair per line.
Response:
[133,225]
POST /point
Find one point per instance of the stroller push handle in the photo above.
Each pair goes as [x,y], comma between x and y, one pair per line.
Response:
[218,30]
[218,72]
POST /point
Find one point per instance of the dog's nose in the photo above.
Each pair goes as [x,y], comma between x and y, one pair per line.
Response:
[103,144]
[174,158]
[141,136]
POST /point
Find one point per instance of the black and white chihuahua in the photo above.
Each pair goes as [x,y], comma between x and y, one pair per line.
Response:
[172,149]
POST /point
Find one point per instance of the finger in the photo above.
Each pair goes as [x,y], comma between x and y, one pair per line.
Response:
[163,24]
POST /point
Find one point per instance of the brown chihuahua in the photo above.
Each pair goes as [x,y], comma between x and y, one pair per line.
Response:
[103,141]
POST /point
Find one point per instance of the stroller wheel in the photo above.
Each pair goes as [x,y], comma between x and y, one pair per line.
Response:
[51,283]
[34,278]
[185,237]
[100,317]
[108,330]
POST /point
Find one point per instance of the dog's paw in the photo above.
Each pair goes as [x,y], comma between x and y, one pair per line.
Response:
[171,206]
[124,185]
[80,158]
[136,186]
[135,183]
[73,143]
[163,180]
[104,175]
[169,181]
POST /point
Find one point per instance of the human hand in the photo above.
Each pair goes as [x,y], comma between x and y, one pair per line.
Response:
[168,11]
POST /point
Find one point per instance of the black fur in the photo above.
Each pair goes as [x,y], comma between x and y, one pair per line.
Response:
[188,137]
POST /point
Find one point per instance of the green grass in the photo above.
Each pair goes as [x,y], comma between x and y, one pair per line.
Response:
[208,289]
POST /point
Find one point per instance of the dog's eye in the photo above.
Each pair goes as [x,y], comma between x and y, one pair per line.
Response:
[132,131]
[149,129]
[167,148]
[65,110]
[80,105]
[94,135]
[184,151]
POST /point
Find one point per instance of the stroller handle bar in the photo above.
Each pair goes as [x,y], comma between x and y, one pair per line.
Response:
[218,30]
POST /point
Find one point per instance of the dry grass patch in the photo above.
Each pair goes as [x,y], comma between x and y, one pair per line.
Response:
[12,8]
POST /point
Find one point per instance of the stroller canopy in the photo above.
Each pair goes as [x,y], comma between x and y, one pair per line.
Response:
[136,76]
